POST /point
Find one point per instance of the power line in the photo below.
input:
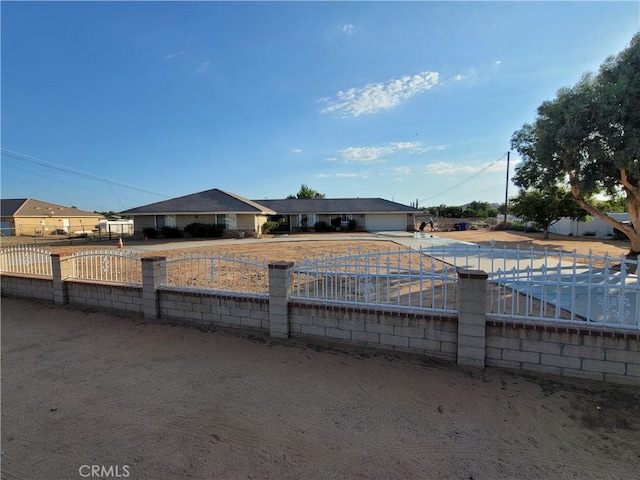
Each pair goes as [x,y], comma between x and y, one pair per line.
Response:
[12,155]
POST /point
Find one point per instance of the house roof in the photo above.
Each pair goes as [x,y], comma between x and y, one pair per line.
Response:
[209,201]
[29,207]
[336,206]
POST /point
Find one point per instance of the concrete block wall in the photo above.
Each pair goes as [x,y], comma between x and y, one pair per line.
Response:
[430,335]
[582,352]
[471,338]
[211,309]
[27,286]
[124,298]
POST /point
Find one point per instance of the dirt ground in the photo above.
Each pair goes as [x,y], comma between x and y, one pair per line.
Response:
[85,388]
[157,401]
[302,246]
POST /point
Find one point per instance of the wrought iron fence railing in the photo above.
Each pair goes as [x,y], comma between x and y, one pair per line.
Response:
[524,284]
[119,266]
[552,285]
[218,271]
[26,259]
[400,279]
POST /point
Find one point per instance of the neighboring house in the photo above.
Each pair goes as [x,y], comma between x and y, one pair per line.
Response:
[373,214]
[210,207]
[26,216]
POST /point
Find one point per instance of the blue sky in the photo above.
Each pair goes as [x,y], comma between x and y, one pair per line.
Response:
[113,105]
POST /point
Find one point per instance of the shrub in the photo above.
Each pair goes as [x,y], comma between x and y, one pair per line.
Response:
[268,227]
[321,227]
[171,232]
[150,232]
[336,222]
[352,225]
[204,230]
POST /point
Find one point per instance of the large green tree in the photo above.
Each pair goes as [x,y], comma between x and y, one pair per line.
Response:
[545,207]
[589,137]
[306,192]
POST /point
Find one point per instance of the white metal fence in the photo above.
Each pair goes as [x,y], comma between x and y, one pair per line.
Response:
[107,266]
[220,272]
[402,279]
[552,285]
[523,283]
[26,259]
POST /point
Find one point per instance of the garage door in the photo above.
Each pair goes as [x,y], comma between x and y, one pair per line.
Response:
[387,222]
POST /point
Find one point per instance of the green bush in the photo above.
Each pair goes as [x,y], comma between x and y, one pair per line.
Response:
[150,232]
[171,232]
[352,225]
[321,227]
[204,230]
[269,227]
[336,222]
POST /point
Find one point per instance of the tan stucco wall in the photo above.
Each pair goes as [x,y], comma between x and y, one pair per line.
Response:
[248,222]
[47,225]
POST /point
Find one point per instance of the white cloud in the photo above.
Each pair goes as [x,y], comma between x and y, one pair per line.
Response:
[347,29]
[379,96]
[402,171]
[498,62]
[458,78]
[364,154]
[372,154]
[341,175]
[296,150]
[444,168]
[404,145]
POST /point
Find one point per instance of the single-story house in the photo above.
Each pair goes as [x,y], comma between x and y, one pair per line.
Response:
[238,213]
[373,214]
[27,216]
[210,207]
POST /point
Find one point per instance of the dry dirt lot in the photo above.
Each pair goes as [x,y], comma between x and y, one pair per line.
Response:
[304,245]
[81,387]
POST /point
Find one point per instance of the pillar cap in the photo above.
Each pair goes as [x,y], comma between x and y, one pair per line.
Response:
[153,259]
[282,265]
[472,274]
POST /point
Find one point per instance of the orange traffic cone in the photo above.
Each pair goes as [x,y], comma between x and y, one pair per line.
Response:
[120,244]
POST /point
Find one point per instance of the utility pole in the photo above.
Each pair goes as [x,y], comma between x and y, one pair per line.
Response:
[506,194]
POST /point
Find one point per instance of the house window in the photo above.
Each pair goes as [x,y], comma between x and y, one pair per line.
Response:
[229,221]
[165,221]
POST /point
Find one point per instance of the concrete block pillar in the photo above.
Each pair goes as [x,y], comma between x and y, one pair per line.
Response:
[154,274]
[61,268]
[472,310]
[280,281]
